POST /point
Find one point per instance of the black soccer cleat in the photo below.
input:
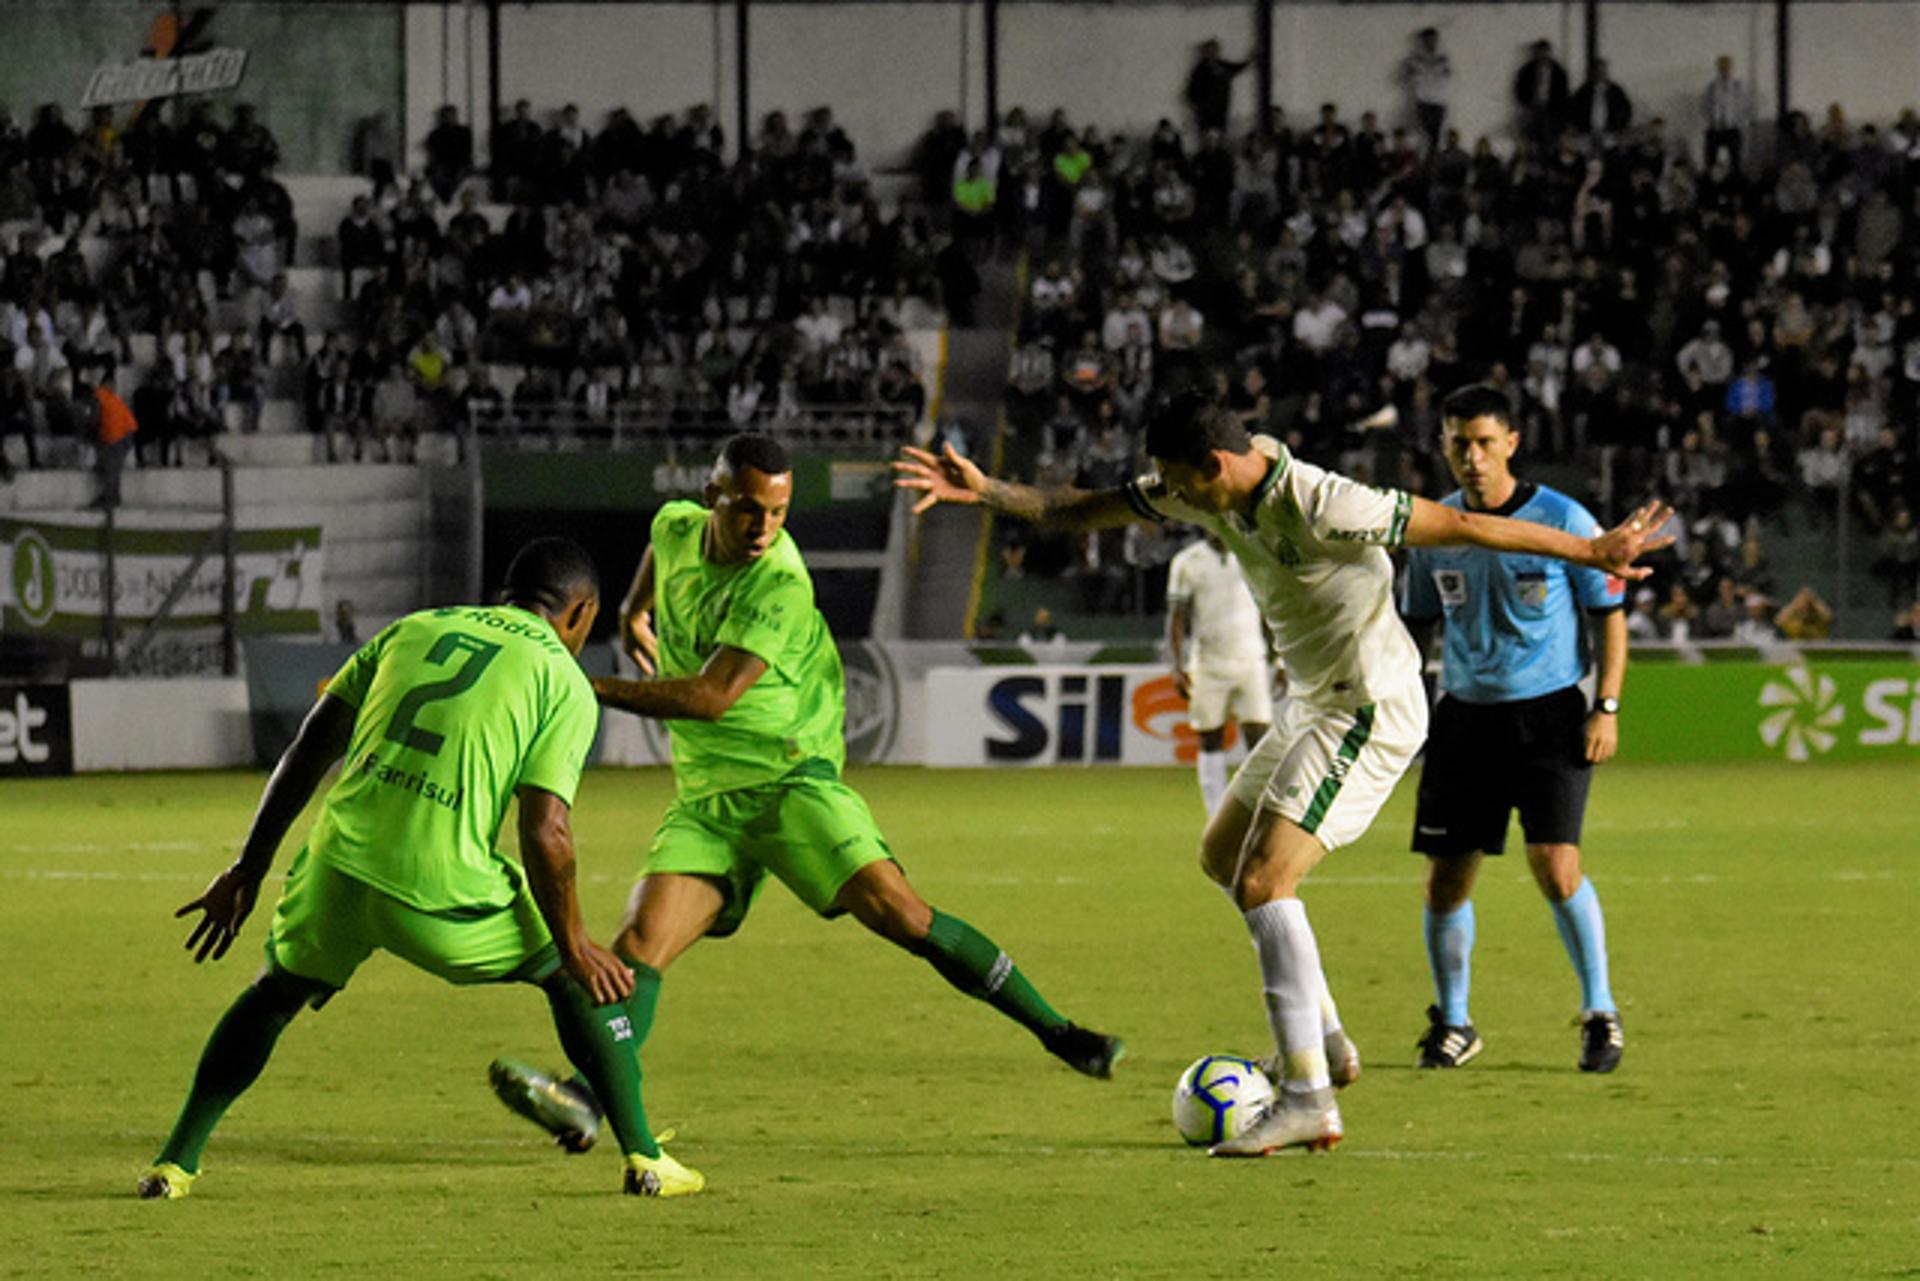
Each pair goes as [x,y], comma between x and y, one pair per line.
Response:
[1447,1045]
[1600,1040]
[561,1108]
[1086,1052]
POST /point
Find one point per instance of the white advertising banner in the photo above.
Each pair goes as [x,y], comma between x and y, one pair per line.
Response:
[1104,714]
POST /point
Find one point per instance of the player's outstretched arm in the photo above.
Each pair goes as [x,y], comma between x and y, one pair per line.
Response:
[1434,524]
[636,618]
[728,674]
[546,850]
[229,897]
[949,477]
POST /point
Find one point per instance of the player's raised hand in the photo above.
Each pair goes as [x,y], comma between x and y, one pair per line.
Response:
[638,640]
[226,902]
[947,477]
[604,975]
[1615,550]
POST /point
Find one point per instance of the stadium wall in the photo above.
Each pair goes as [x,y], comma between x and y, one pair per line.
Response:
[194,723]
[886,68]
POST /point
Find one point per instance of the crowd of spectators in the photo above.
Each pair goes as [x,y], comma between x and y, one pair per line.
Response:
[1727,325]
[635,266]
[177,201]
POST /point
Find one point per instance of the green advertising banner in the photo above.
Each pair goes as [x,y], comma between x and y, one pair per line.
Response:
[1824,709]
[53,577]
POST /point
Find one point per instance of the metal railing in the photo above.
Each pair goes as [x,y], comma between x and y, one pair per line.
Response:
[864,430]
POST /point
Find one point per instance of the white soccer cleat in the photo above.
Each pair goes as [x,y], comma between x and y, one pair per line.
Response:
[1312,1123]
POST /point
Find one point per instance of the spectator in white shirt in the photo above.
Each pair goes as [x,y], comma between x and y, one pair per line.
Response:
[819,329]
[1409,355]
[1729,108]
[1596,361]
[1707,355]
[1317,325]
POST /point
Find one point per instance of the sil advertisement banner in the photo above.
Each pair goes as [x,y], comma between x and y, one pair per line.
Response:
[1815,710]
[1095,714]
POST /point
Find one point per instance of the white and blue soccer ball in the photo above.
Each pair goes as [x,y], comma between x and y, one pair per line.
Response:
[1218,1097]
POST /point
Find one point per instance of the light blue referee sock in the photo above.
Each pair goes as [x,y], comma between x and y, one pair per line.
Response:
[1450,955]
[1584,930]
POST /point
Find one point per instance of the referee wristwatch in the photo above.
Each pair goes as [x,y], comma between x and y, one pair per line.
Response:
[1607,706]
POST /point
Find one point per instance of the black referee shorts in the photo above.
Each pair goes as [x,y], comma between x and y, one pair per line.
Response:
[1485,760]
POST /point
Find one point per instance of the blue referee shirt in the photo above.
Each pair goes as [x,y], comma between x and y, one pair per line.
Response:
[1514,625]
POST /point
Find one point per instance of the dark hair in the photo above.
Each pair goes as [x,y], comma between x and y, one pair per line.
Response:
[756,450]
[550,573]
[1480,400]
[1187,427]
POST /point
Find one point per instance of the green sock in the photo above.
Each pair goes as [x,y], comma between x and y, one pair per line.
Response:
[241,1043]
[603,1043]
[975,964]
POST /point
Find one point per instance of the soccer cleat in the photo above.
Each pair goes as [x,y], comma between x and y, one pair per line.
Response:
[1600,1040]
[561,1108]
[1085,1051]
[1311,1122]
[661,1175]
[1343,1059]
[1447,1045]
[1343,1062]
[165,1182]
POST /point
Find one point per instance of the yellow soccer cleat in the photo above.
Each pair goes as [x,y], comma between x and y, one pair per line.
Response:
[165,1182]
[661,1175]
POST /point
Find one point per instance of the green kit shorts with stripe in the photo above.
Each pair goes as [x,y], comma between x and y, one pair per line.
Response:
[1331,769]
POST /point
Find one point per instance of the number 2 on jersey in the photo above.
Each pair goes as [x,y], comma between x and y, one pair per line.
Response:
[401,729]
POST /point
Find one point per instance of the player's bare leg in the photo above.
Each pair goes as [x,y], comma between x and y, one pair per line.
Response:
[1276,857]
[1221,851]
[880,897]
[1583,930]
[1211,767]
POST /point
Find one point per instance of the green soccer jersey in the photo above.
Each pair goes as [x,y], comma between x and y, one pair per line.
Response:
[456,708]
[793,713]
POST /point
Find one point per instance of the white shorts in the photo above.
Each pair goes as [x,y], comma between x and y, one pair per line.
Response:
[1241,694]
[1331,769]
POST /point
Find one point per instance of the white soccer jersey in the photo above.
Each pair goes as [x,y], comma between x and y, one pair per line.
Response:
[1311,544]
[1223,622]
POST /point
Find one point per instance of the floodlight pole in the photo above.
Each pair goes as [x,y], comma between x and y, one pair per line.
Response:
[1263,65]
[1782,65]
[229,649]
[742,72]
[110,608]
[990,26]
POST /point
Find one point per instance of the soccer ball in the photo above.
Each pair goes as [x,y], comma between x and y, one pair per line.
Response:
[1218,1097]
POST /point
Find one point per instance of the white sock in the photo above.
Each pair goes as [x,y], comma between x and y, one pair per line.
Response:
[1212,768]
[1329,1012]
[1294,988]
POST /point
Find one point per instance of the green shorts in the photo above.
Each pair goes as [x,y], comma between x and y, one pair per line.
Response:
[327,923]
[813,833]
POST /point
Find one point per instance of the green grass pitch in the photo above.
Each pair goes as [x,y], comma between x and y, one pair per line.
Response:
[856,1117]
